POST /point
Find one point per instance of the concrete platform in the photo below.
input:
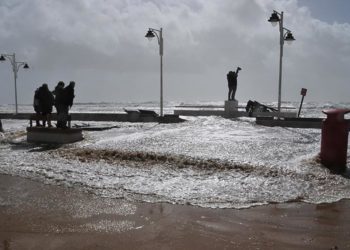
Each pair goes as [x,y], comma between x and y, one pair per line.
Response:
[290,122]
[128,116]
[199,112]
[53,135]
[170,119]
[232,114]
[230,109]
[259,114]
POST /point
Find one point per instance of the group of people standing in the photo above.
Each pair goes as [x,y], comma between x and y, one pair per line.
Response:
[62,98]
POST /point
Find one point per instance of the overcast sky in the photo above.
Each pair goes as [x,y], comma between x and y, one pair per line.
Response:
[101,45]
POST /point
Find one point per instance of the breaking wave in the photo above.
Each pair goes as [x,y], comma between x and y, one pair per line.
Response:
[148,159]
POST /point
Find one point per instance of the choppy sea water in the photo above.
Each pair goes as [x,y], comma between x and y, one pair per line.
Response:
[205,161]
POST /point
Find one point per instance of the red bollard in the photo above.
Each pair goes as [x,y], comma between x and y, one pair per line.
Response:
[334,140]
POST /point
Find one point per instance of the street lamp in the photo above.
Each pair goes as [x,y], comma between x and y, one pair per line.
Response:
[151,33]
[15,67]
[285,35]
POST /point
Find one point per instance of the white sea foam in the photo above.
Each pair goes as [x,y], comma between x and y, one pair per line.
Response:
[206,161]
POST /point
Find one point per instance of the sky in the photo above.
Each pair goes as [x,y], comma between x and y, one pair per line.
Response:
[101,45]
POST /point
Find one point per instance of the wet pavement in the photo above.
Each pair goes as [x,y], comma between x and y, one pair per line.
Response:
[39,216]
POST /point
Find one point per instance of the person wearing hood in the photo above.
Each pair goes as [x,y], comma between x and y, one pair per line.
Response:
[46,102]
[67,102]
[36,106]
[59,104]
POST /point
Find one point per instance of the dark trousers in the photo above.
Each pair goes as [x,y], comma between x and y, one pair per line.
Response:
[46,117]
[38,113]
[62,115]
[232,92]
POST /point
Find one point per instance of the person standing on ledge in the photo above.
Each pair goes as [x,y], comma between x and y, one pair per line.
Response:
[46,102]
[59,105]
[232,84]
[67,98]
[36,105]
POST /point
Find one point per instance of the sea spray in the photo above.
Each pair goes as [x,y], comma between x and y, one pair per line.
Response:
[206,161]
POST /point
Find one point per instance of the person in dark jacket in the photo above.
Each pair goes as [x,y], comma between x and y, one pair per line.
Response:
[67,100]
[232,83]
[59,105]
[46,102]
[69,94]
[36,105]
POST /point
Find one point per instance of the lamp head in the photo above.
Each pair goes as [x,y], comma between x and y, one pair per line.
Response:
[274,19]
[289,38]
[149,35]
[26,66]
[2,58]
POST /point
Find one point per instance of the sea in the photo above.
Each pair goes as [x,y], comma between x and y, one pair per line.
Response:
[206,161]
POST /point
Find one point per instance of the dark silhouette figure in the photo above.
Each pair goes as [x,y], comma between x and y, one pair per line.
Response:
[46,101]
[67,101]
[232,83]
[36,105]
[59,104]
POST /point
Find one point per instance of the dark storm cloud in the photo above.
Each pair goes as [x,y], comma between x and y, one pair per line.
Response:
[101,45]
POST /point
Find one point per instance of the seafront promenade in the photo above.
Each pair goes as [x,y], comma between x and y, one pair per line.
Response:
[131,116]
[38,216]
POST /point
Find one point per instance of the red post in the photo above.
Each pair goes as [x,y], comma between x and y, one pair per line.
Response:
[334,140]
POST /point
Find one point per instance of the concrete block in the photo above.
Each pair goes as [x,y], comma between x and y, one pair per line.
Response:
[185,112]
[231,106]
[133,116]
[170,119]
[53,135]
[147,118]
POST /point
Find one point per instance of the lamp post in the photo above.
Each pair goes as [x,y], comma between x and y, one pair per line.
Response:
[15,67]
[151,33]
[285,35]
